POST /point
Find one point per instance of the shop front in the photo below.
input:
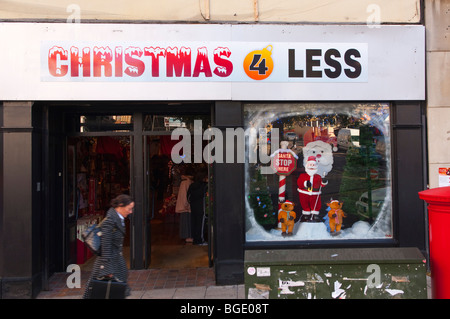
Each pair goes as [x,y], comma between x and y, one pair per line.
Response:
[324,124]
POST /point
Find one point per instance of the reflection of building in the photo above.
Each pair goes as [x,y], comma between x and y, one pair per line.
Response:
[41,110]
[376,203]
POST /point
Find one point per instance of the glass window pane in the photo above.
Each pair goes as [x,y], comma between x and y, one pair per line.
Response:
[340,187]
[105,123]
[158,123]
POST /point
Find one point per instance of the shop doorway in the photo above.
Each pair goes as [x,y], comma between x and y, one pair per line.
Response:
[174,239]
[107,155]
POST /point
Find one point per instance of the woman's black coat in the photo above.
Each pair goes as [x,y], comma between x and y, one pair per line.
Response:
[111,260]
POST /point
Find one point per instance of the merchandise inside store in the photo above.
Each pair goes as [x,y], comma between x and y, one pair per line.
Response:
[98,171]
[168,187]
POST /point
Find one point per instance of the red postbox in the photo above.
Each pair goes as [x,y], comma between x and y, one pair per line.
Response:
[438,200]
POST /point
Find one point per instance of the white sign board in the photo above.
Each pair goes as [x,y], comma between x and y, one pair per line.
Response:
[200,62]
[444,176]
[43,61]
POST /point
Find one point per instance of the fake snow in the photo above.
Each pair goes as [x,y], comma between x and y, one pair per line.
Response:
[381,228]
[317,231]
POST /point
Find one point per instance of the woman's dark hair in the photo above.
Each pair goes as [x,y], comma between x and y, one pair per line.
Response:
[200,176]
[121,201]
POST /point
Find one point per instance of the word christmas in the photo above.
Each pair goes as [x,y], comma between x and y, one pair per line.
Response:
[131,61]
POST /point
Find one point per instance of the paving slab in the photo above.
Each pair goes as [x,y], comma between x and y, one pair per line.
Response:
[166,293]
[190,293]
[221,292]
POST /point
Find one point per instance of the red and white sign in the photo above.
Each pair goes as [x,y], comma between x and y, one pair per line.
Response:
[373,173]
[444,176]
[284,163]
[211,62]
[200,61]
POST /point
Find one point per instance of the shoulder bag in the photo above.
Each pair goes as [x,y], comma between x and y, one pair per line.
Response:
[92,236]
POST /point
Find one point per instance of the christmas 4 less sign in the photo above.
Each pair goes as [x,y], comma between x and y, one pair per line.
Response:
[225,61]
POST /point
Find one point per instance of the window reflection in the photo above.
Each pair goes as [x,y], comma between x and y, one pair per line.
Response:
[158,123]
[102,123]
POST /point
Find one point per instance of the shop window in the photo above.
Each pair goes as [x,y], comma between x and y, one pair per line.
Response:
[102,123]
[340,187]
[158,123]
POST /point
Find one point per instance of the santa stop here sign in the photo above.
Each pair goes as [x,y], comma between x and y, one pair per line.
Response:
[284,162]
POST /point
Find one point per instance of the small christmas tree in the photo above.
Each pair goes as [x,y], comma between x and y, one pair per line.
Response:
[261,201]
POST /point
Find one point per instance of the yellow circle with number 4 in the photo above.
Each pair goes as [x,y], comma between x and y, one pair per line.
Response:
[258,64]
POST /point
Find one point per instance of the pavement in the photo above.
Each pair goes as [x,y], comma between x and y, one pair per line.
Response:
[211,292]
[197,292]
[187,283]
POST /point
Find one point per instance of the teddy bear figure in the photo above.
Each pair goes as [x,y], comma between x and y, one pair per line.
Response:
[286,216]
[335,215]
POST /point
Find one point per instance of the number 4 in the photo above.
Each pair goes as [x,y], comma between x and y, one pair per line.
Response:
[258,64]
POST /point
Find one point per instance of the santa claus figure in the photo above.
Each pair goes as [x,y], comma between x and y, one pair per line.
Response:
[309,189]
[323,153]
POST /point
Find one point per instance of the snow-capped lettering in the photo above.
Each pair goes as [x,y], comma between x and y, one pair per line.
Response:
[136,66]
[102,58]
[202,63]
[178,60]
[155,53]
[55,57]
[77,62]
[160,62]
[224,66]
[118,61]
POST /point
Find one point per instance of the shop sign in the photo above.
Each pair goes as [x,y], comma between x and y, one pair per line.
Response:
[201,61]
[244,62]
[284,163]
[444,176]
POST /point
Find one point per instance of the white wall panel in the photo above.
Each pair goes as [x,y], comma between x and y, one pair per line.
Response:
[395,62]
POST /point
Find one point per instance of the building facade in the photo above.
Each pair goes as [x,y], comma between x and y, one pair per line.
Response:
[92,96]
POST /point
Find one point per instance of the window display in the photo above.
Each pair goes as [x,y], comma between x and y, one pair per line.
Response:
[318,171]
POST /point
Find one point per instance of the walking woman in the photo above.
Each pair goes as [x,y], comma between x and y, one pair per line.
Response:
[111,262]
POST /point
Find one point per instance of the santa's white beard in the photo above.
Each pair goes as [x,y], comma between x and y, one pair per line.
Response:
[311,171]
